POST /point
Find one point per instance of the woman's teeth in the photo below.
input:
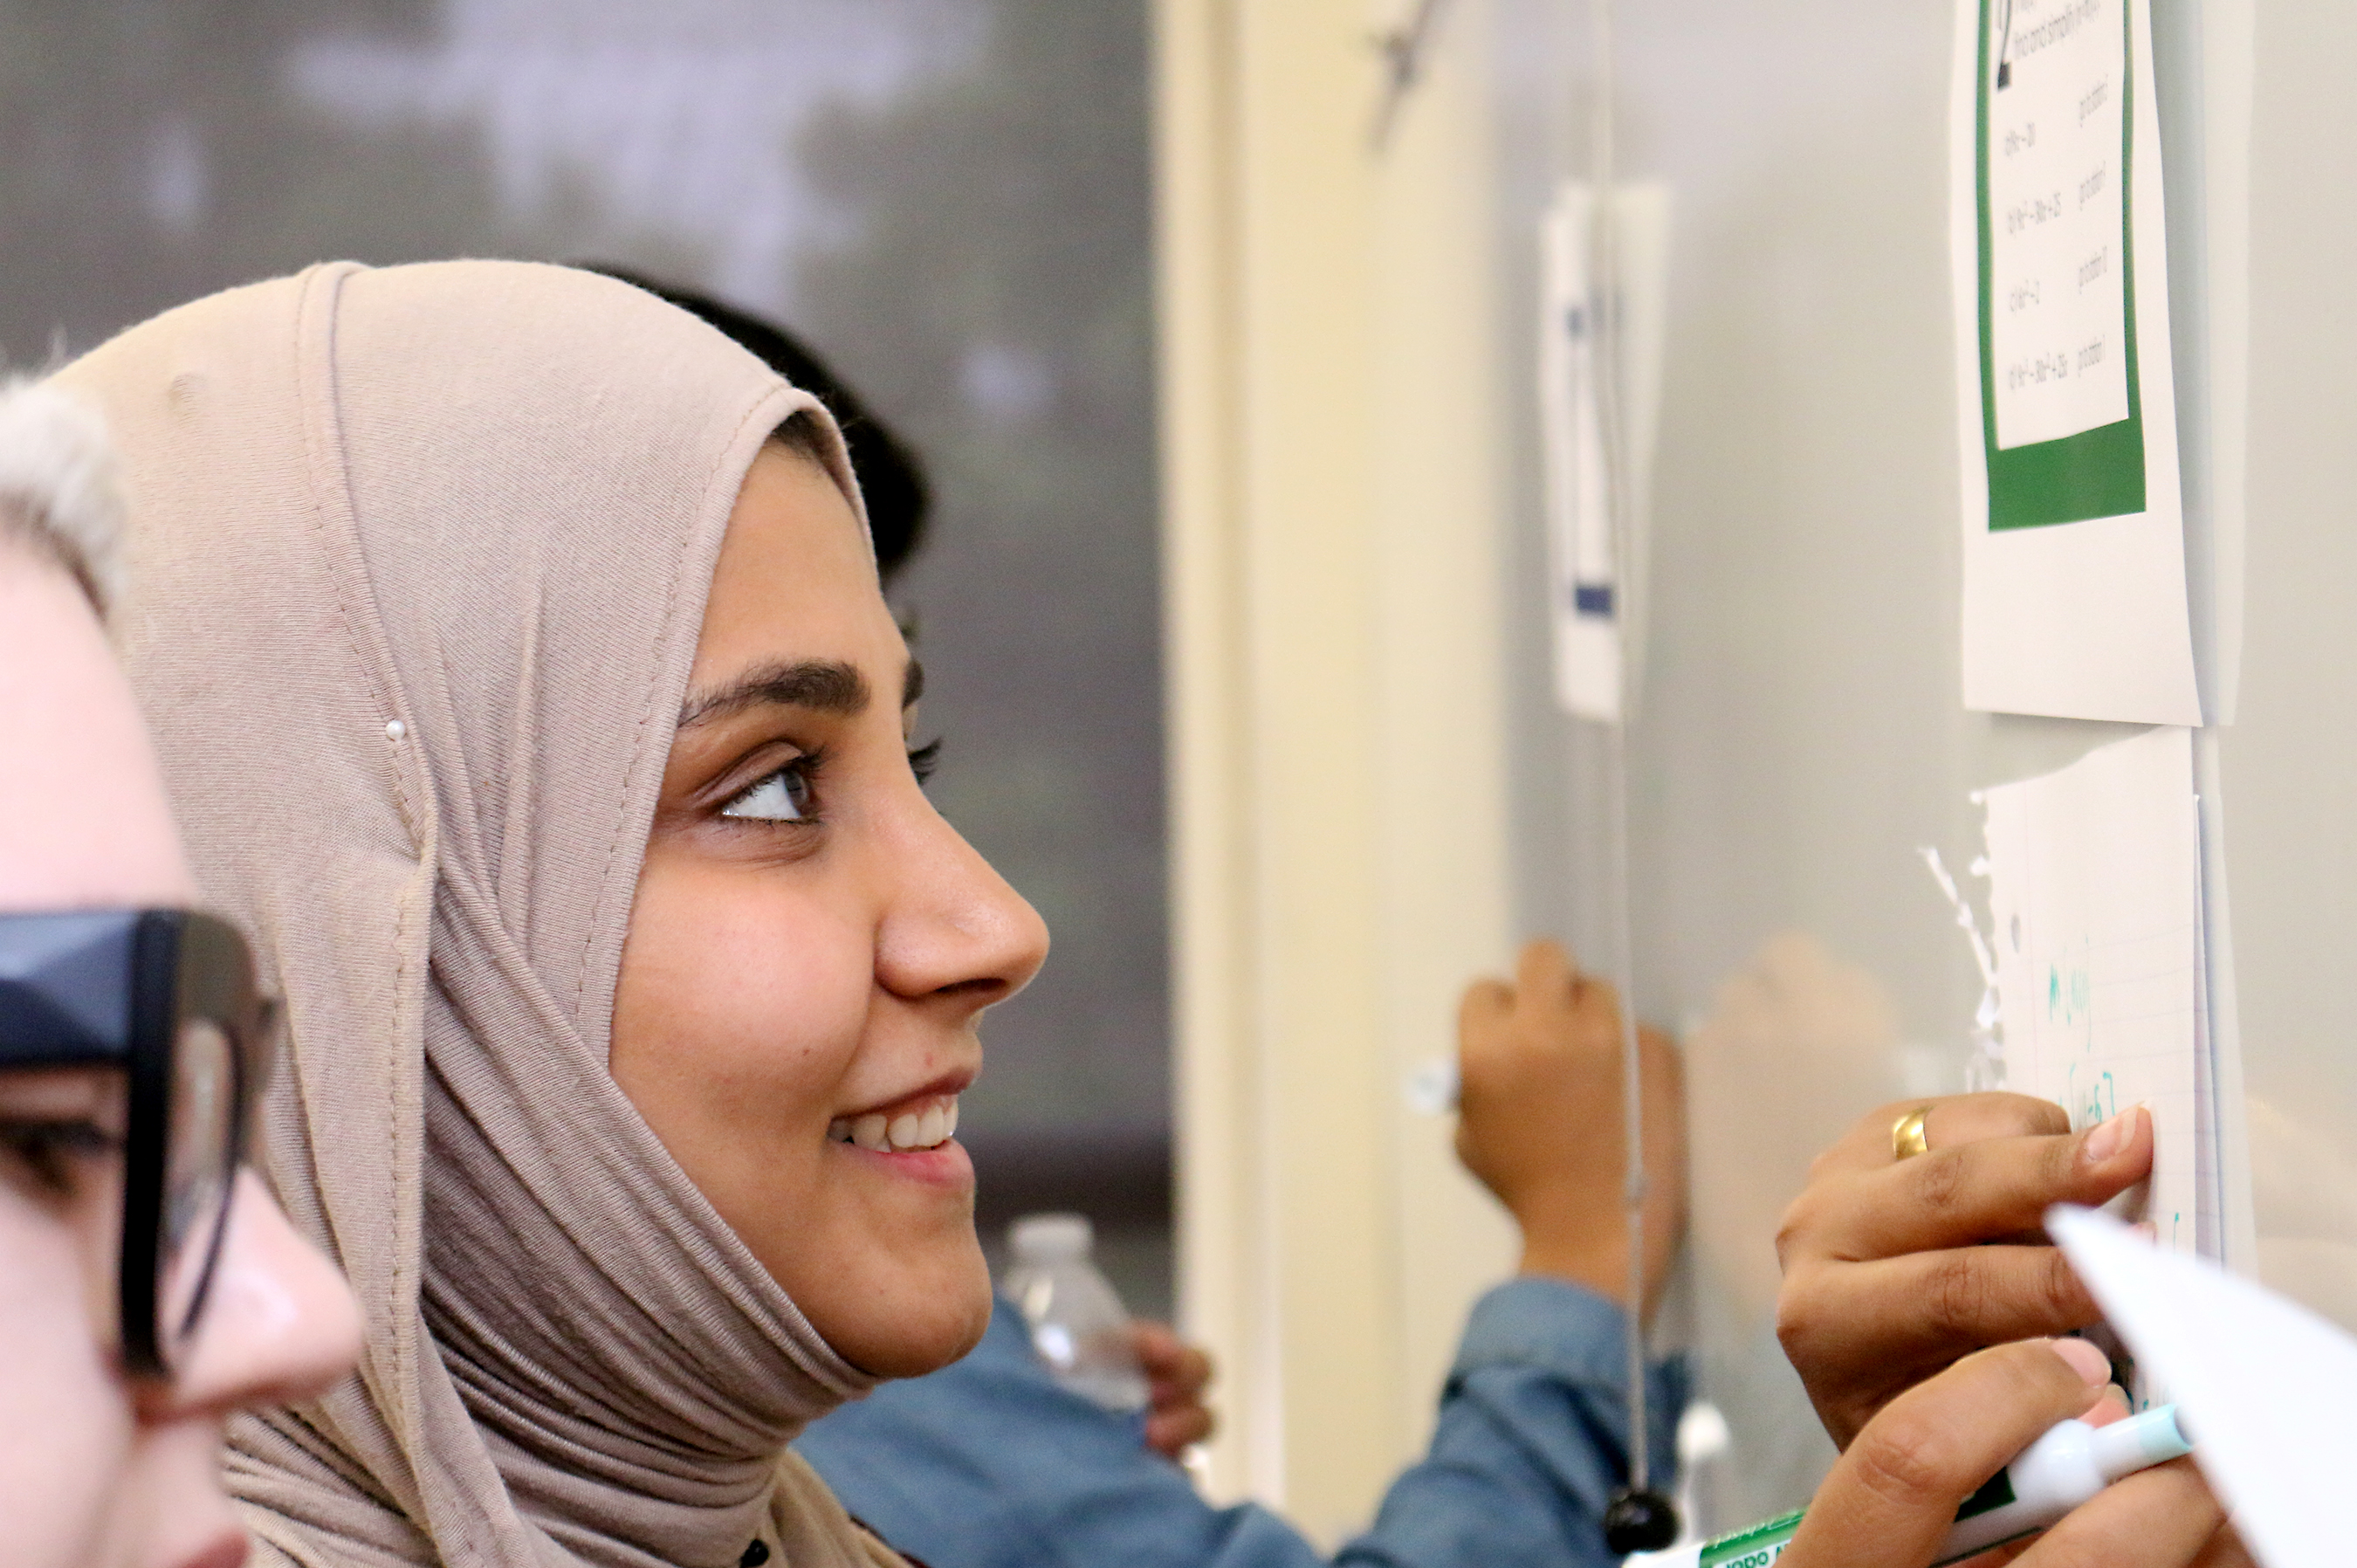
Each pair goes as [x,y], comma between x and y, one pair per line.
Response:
[934,1126]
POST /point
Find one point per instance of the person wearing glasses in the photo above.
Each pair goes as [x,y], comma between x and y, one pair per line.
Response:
[515,647]
[148,1285]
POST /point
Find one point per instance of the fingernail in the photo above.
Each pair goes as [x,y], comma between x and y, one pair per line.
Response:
[2111,1137]
[2094,1367]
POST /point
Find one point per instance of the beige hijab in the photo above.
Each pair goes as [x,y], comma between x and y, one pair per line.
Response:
[419,563]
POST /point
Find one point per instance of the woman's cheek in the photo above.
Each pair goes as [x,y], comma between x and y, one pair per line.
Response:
[66,1426]
[759,989]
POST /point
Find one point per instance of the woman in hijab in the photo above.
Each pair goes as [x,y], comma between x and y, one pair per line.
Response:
[514,645]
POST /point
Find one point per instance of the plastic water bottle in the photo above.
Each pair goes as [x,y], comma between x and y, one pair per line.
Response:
[1077,1324]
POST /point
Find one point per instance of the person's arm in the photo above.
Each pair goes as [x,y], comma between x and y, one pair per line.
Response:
[1540,1122]
[990,1464]
[1532,1438]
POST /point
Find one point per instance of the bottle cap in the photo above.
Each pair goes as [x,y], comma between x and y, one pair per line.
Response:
[1050,1238]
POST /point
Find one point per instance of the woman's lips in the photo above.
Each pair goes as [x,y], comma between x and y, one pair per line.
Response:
[924,1122]
[946,1165]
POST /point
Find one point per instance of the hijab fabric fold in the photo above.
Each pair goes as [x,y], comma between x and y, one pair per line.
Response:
[419,561]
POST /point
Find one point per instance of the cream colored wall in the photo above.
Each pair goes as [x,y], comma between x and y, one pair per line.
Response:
[1334,572]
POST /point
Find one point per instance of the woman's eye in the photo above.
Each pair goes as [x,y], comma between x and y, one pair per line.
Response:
[785,796]
[52,1150]
[925,759]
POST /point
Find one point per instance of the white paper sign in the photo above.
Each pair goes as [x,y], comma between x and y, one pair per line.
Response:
[1597,441]
[1582,581]
[2095,896]
[2074,574]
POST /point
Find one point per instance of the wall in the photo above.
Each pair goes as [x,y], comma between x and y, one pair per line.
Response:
[1332,531]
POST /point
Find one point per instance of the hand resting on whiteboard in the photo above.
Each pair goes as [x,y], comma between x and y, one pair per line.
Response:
[1540,1122]
[1890,1498]
[1894,1268]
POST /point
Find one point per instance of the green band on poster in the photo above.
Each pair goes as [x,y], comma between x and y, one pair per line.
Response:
[2098,472]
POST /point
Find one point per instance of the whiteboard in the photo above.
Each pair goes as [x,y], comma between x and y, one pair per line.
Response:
[1800,731]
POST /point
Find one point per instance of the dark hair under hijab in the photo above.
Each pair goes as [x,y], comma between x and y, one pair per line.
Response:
[891,477]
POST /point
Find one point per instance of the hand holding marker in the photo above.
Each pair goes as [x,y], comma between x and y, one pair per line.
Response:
[2054,1474]
[1542,1062]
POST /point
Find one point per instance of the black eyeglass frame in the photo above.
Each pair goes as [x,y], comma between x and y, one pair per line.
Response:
[117,988]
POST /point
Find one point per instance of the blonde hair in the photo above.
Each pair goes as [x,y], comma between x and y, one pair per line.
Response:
[59,489]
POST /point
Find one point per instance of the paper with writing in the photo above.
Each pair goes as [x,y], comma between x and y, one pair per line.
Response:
[2095,897]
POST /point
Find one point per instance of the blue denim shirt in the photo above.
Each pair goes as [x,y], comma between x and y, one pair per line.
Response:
[988,1464]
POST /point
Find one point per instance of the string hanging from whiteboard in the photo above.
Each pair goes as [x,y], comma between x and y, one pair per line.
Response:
[1637,1517]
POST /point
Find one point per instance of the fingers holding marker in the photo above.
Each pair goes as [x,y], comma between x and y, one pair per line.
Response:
[1486,1001]
[1544,973]
[1892,1497]
[2160,1518]
[1549,1009]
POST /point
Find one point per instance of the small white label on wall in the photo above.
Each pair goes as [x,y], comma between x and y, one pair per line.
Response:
[1593,597]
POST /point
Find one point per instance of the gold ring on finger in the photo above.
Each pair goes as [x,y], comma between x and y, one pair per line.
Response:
[1907,1134]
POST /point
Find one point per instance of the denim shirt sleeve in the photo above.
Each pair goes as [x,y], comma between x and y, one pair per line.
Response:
[989,1464]
[1533,1438]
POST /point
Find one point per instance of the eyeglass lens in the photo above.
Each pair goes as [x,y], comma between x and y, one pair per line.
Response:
[198,1174]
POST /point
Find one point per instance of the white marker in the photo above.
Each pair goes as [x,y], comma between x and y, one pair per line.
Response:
[2046,1480]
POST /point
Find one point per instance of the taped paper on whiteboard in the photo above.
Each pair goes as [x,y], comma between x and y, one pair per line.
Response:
[2074,577]
[2095,898]
[1597,441]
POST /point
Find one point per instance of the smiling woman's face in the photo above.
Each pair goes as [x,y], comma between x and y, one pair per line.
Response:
[812,945]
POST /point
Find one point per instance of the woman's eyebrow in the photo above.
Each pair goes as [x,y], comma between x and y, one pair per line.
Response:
[913,684]
[822,685]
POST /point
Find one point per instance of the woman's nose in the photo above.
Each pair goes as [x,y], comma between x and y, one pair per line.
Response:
[279,1323]
[956,928]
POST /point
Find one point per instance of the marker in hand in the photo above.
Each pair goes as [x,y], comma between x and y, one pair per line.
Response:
[2046,1480]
